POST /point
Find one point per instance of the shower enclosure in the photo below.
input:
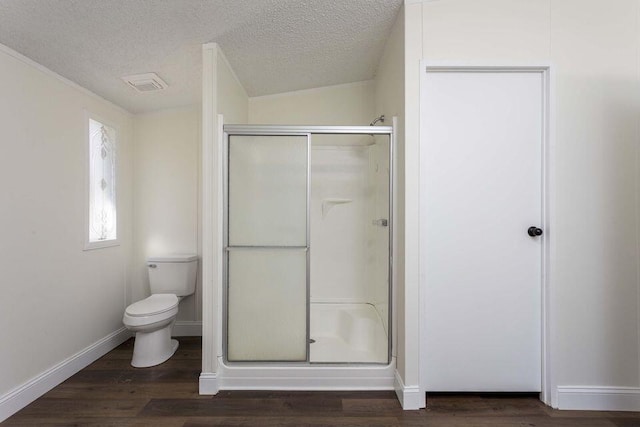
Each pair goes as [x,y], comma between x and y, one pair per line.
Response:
[308,235]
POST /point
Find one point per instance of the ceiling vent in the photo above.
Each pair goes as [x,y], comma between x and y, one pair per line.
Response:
[145,83]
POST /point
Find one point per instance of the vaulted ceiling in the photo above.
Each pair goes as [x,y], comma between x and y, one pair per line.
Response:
[273,45]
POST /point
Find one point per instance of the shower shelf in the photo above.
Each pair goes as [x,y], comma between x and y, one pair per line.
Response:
[328,204]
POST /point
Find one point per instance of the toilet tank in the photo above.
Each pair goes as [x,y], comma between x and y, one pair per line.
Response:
[173,274]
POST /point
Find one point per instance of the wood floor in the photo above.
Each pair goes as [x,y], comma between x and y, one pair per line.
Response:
[110,392]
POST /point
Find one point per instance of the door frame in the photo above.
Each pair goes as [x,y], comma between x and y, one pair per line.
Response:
[548,209]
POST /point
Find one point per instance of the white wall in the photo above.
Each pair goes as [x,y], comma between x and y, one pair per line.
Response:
[166,184]
[232,99]
[347,104]
[488,30]
[389,100]
[593,48]
[57,299]
[222,95]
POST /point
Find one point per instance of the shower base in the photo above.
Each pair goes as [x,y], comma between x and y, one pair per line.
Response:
[347,333]
[344,333]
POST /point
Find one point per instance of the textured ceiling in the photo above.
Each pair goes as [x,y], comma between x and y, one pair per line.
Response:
[273,45]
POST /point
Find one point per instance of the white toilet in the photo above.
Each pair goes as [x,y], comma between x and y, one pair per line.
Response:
[171,278]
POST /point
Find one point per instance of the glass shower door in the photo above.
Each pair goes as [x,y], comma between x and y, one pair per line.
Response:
[267,248]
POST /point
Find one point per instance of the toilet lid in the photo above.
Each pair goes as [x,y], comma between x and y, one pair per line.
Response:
[155,304]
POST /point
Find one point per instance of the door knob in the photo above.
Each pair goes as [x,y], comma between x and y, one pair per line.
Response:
[534,231]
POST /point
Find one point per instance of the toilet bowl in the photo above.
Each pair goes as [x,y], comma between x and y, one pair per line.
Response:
[152,319]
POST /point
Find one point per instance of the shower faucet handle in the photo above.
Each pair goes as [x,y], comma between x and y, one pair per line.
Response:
[383,222]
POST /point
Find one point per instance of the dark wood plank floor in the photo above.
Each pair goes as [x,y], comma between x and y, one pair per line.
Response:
[110,392]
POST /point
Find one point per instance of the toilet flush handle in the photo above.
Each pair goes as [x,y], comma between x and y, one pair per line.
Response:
[152,266]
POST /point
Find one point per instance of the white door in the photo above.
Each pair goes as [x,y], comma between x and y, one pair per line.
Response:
[481,190]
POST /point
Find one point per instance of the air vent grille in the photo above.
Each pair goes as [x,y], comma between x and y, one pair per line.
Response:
[145,83]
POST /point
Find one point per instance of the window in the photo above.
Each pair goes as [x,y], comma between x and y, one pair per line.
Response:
[102,218]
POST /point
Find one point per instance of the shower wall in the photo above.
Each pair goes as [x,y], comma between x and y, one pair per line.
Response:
[340,201]
[349,202]
[341,181]
[378,238]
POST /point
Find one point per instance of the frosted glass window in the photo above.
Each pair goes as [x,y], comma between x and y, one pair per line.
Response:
[268,190]
[267,305]
[102,183]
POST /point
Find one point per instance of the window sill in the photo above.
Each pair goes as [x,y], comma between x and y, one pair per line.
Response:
[89,246]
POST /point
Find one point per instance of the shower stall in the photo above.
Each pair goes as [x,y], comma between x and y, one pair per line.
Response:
[307,247]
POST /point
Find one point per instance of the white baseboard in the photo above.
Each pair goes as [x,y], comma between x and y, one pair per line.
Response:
[21,396]
[594,398]
[209,383]
[187,328]
[410,397]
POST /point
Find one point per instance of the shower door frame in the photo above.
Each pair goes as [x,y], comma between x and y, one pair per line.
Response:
[230,130]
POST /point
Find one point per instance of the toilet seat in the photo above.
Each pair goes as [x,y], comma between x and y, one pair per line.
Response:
[157,308]
[155,304]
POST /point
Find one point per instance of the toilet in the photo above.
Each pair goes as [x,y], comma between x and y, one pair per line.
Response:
[171,278]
